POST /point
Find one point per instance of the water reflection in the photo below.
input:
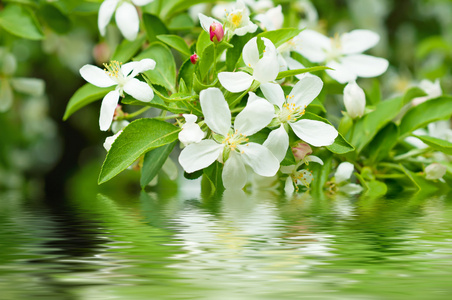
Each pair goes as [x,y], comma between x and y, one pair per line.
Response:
[238,246]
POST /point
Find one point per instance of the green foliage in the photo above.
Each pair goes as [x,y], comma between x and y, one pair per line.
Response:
[137,138]
[280,36]
[153,162]
[437,144]
[380,147]
[21,22]
[175,42]
[154,27]
[84,96]
[211,179]
[289,73]
[127,49]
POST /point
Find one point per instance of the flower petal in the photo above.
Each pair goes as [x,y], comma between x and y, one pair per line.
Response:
[250,53]
[141,2]
[191,132]
[127,20]
[30,86]
[109,140]
[200,155]
[315,133]
[235,82]
[313,158]
[267,68]
[257,114]
[288,186]
[260,159]
[139,90]
[216,110]
[106,10]
[278,142]
[107,109]
[305,91]
[234,172]
[313,45]
[340,73]
[358,41]
[343,172]
[354,100]
[273,93]
[365,65]
[96,76]
[137,67]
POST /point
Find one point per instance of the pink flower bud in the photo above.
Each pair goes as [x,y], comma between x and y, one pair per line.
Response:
[300,150]
[194,58]
[216,32]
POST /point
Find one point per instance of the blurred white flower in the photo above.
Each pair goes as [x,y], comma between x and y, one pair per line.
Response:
[123,77]
[435,171]
[432,89]
[126,16]
[272,19]
[238,20]
[343,53]
[343,173]
[354,100]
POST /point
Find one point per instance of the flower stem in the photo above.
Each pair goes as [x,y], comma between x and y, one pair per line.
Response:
[135,114]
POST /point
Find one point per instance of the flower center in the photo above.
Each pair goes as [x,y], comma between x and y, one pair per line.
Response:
[113,69]
[303,176]
[236,19]
[234,139]
[290,112]
[336,48]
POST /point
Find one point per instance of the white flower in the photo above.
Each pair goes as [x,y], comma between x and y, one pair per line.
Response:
[264,70]
[343,53]
[435,171]
[433,90]
[290,112]
[238,20]
[354,100]
[126,16]
[343,173]
[191,132]
[123,77]
[232,147]
[297,177]
[272,19]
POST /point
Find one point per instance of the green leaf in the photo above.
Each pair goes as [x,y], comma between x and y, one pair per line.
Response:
[340,145]
[288,73]
[370,124]
[171,7]
[203,42]
[20,22]
[127,49]
[212,179]
[84,96]
[289,159]
[153,162]
[137,138]
[383,142]
[375,189]
[55,18]
[321,172]
[233,54]
[181,22]
[437,144]
[175,42]
[280,36]
[154,27]
[425,113]
[412,93]
[186,73]
[164,73]
[157,102]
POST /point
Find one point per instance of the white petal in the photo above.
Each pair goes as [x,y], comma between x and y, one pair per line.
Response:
[117,126]
[365,65]
[358,41]
[266,69]
[313,158]
[250,53]
[278,142]
[141,2]
[234,172]
[206,22]
[315,133]
[313,45]
[251,27]
[96,76]
[30,86]
[127,20]
[216,110]
[305,91]
[106,10]
[351,188]
[200,155]
[288,187]
[191,132]
[190,118]
[270,48]
[260,159]
[107,109]
[109,140]
[273,93]
[139,90]
[354,100]
[343,172]
[235,82]
[137,67]
[257,114]
[340,72]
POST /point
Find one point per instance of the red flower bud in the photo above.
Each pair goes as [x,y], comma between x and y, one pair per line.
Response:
[216,32]
[194,58]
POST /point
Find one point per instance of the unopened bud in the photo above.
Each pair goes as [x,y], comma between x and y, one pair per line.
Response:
[216,32]
[300,150]
[435,171]
[354,100]
[194,58]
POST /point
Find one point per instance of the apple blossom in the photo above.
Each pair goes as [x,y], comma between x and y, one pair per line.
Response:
[354,100]
[191,132]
